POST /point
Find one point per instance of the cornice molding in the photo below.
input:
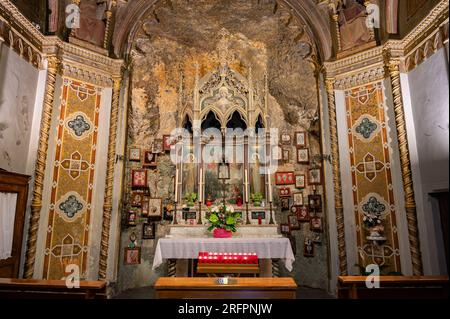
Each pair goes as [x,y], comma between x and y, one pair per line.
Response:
[77,62]
[368,66]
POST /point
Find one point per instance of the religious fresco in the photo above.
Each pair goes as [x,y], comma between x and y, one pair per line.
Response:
[168,50]
[373,191]
[72,190]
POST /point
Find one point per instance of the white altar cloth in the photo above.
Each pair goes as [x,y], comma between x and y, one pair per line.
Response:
[188,248]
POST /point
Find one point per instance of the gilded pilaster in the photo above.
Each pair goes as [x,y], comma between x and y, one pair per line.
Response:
[336,177]
[393,66]
[107,206]
[36,204]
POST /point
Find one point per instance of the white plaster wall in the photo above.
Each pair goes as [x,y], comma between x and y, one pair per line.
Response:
[18,84]
[329,190]
[426,98]
[346,180]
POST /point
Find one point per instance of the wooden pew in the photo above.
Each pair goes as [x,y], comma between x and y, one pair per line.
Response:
[11,288]
[238,288]
[394,287]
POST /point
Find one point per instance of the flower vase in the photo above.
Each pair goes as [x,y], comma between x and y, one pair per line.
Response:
[222,233]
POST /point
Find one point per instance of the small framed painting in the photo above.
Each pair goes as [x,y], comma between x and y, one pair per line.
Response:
[300,139]
[308,250]
[286,155]
[303,214]
[155,210]
[136,199]
[317,238]
[285,192]
[257,215]
[284,202]
[286,139]
[148,231]
[149,159]
[315,203]
[131,218]
[293,222]
[315,176]
[298,198]
[295,209]
[284,178]
[285,229]
[134,154]
[300,181]
[145,207]
[302,155]
[157,146]
[139,178]
[167,142]
[132,256]
[316,224]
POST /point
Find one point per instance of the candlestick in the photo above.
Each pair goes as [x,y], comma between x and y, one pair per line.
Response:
[176,185]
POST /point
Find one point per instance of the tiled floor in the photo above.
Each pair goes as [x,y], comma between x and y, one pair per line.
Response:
[149,293]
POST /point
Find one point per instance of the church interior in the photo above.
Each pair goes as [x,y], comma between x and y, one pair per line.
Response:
[173,149]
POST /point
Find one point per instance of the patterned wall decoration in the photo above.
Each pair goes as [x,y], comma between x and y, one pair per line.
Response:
[73,179]
[373,195]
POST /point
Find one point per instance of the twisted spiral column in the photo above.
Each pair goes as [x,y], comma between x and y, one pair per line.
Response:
[36,202]
[107,205]
[336,177]
[408,187]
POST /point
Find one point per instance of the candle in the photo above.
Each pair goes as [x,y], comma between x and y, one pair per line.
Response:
[246,185]
[270,189]
[200,196]
[176,186]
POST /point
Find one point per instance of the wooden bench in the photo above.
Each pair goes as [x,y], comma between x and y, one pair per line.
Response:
[11,288]
[394,287]
[238,288]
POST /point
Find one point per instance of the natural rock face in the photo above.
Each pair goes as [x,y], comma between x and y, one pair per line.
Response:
[265,37]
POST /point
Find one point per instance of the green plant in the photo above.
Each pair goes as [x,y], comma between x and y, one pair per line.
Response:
[257,197]
[224,217]
[190,197]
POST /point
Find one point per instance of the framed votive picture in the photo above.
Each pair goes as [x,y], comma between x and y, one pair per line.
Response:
[257,215]
[285,192]
[134,154]
[300,139]
[294,209]
[303,214]
[317,238]
[132,256]
[316,224]
[139,178]
[284,178]
[286,139]
[148,231]
[136,199]
[284,202]
[293,222]
[308,248]
[286,155]
[145,207]
[315,203]
[157,146]
[277,153]
[297,198]
[131,218]
[285,229]
[167,142]
[149,159]
[315,176]
[303,155]
[155,208]
[300,181]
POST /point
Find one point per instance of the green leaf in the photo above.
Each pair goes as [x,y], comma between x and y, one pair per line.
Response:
[210,227]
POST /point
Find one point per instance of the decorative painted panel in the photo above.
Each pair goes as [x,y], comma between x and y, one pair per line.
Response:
[73,179]
[373,195]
